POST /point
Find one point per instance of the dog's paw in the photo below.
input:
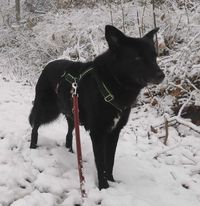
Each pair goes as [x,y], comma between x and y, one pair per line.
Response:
[103,185]
[71,150]
[33,146]
[69,147]
[110,178]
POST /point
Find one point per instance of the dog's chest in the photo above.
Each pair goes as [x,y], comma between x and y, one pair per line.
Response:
[115,122]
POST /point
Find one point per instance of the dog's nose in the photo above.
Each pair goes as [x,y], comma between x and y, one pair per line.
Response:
[160,75]
[158,78]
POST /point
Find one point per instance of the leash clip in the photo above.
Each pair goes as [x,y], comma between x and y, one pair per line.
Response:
[74,86]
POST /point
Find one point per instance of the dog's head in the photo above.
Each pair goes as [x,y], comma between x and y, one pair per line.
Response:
[134,59]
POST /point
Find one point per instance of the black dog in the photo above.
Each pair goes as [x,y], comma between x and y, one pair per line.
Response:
[107,88]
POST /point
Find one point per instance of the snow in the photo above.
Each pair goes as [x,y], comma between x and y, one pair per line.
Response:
[49,175]
[148,173]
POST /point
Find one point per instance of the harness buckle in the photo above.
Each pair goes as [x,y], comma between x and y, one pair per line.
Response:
[109,98]
[69,78]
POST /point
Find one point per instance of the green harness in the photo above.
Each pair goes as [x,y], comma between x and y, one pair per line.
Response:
[105,92]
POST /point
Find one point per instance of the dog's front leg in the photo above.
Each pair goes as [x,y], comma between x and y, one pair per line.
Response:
[98,143]
[110,149]
[111,144]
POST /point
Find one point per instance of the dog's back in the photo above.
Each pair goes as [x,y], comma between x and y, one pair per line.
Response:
[106,94]
[45,95]
[45,102]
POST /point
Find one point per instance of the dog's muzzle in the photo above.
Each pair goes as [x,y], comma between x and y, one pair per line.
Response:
[158,78]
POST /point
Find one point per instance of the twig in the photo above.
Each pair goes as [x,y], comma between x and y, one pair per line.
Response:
[189,158]
[195,172]
[186,11]
[155,25]
[192,84]
[142,21]
[150,94]
[123,16]
[39,12]
[178,86]
[167,130]
[187,124]
[93,44]
[174,32]
[138,22]
[192,40]
[180,121]
[167,150]
[136,136]
[111,14]
[184,105]
[173,175]
[17,10]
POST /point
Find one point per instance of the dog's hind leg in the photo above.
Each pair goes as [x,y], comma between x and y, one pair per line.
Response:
[42,112]
[35,123]
[34,137]
[69,136]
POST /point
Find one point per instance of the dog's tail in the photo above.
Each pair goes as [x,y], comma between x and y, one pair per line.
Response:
[32,114]
[31,117]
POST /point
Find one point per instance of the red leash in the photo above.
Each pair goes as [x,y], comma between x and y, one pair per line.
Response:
[78,141]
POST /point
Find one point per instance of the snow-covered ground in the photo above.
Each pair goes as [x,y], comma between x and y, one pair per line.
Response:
[148,172]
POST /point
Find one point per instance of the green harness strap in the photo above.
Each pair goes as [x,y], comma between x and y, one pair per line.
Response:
[105,92]
[107,95]
[69,78]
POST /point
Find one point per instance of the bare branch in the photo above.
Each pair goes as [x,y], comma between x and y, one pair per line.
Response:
[111,14]
[167,130]
[17,9]
[142,21]
[139,27]
[184,105]
[180,121]
[123,16]
[167,150]
[155,25]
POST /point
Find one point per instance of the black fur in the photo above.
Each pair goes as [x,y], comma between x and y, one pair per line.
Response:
[125,68]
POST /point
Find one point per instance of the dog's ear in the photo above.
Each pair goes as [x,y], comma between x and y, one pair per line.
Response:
[151,34]
[113,37]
